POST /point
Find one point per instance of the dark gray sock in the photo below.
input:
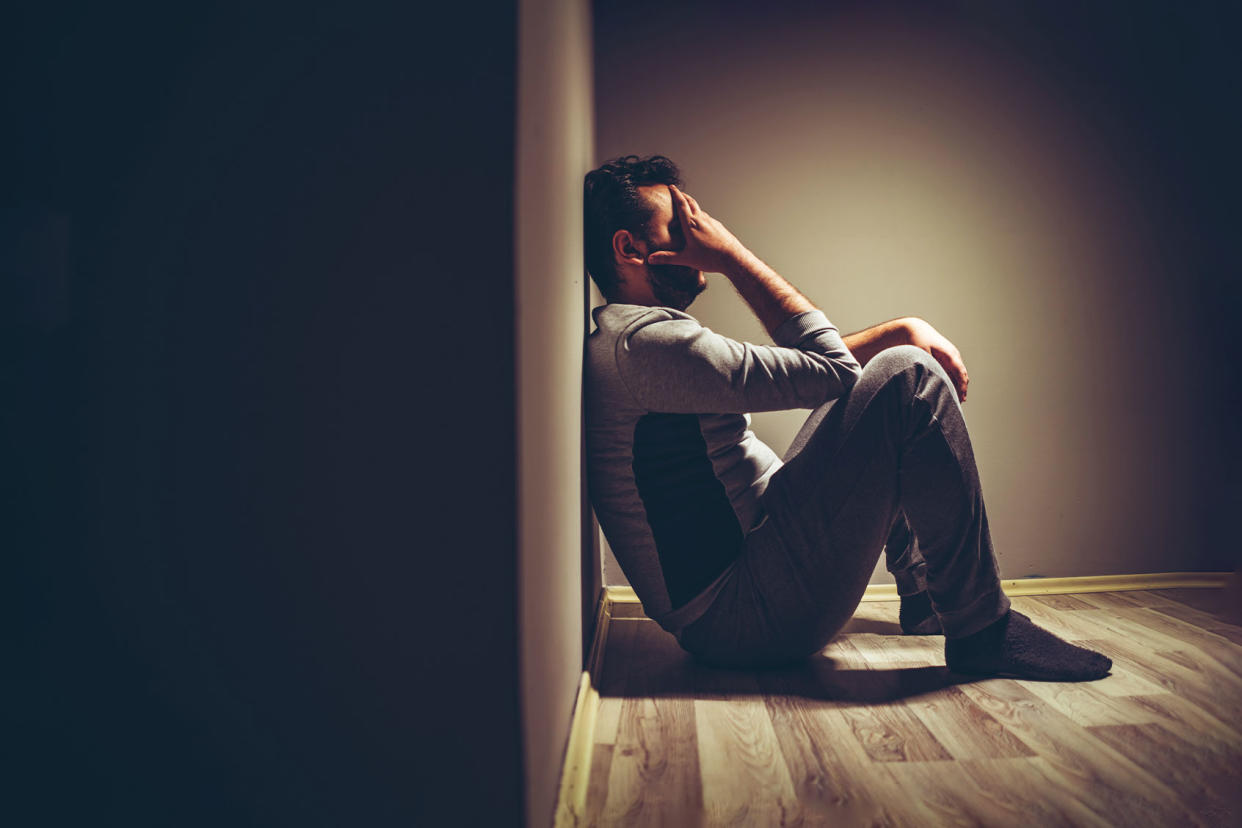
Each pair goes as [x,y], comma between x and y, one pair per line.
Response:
[917,616]
[1014,647]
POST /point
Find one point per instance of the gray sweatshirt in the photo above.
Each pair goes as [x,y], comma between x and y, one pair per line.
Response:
[675,475]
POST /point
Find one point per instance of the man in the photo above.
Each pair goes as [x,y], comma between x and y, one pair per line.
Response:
[746,558]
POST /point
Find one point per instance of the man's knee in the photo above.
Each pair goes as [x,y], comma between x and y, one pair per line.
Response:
[901,358]
[906,361]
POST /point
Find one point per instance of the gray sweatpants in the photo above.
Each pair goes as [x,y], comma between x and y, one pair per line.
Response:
[888,465]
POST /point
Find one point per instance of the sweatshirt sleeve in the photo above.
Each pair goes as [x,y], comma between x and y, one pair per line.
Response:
[673,364]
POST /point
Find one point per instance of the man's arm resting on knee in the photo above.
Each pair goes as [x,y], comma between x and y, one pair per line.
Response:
[867,343]
[910,330]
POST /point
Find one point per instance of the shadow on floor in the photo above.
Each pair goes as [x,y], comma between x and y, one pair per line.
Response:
[871,625]
[644,661]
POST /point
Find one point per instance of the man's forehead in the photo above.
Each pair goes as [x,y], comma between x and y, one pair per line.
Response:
[658,196]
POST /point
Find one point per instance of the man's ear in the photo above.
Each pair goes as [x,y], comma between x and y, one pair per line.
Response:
[625,250]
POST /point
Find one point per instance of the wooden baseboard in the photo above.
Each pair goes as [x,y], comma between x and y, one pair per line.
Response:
[1031,586]
[575,772]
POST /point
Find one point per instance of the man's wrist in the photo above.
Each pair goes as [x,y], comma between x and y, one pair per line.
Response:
[868,342]
[741,264]
[910,329]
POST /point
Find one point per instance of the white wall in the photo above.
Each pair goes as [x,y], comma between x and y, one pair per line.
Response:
[893,168]
[553,152]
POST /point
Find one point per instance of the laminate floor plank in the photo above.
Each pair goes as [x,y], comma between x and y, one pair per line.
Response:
[1109,600]
[1085,704]
[607,720]
[597,784]
[874,730]
[1150,598]
[666,669]
[862,645]
[1213,602]
[1028,792]
[998,792]
[965,729]
[939,797]
[619,657]
[653,778]
[1203,620]
[844,651]
[893,733]
[723,684]
[1212,789]
[1040,613]
[744,777]
[1080,625]
[1143,628]
[1106,781]
[1220,649]
[832,776]
[1217,694]
[874,617]
[1126,678]
[1062,603]
[1185,716]
[908,650]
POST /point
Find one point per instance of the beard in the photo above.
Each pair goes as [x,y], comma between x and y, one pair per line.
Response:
[675,285]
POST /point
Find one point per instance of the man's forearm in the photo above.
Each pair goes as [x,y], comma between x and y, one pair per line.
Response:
[867,343]
[772,298]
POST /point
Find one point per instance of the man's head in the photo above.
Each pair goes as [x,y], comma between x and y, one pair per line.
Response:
[629,214]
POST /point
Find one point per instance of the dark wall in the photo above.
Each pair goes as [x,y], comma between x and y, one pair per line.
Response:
[1161,80]
[258,327]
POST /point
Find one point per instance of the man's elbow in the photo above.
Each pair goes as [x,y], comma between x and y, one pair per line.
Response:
[839,376]
[849,371]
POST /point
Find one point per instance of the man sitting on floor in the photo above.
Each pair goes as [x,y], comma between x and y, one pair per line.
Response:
[746,558]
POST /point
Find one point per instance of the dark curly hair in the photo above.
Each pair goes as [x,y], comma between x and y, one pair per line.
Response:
[611,202]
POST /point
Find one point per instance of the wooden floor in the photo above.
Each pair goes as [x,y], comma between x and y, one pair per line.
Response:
[875,732]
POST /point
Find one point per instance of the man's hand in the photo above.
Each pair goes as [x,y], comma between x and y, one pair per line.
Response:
[709,246]
[922,335]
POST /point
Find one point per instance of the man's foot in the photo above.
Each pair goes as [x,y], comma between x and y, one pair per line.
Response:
[917,616]
[1014,647]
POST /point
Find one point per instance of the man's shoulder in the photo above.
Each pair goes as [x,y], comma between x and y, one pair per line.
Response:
[629,326]
[630,341]
[617,317]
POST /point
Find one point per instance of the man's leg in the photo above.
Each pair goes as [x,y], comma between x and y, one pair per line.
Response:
[905,561]
[901,551]
[897,444]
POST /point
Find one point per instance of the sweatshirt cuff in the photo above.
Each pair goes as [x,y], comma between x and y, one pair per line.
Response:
[797,328]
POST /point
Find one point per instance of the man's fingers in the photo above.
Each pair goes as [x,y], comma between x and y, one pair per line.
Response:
[955,368]
[962,381]
[957,372]
[681,208]
[963,378]
[680,202]
[687,204]
[664,257]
